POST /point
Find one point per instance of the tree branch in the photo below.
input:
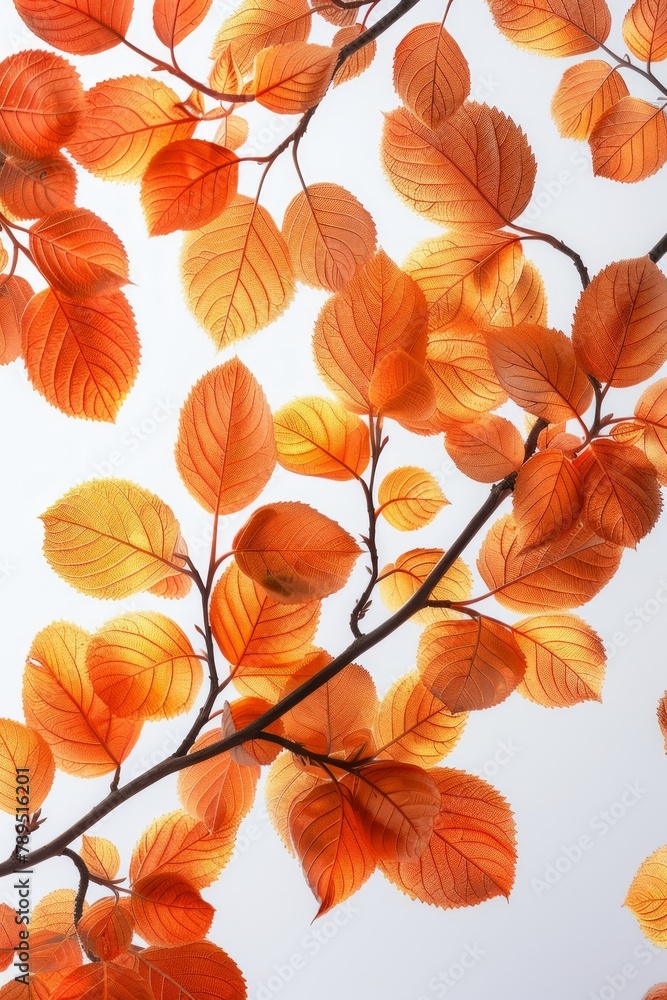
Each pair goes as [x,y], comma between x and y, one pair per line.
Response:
[659,250]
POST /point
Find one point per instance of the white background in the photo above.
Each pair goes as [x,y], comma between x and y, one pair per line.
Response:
[565,768]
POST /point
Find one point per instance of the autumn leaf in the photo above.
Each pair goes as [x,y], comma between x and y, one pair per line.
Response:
[547,498]
[30,189]
[645,30]
[243,712]
[662,718]
[181,845]
[78,253]
[471,855]
[621,495]
[260,24]
[359,61]
[413,726]
[101,857]
[9,930]
[110,538]
[553,27]
[237,273]
[292,77]
[232,132]
[319,437]
[54,946]
[401,388]
[647,897]
[329,235]
[334,14]
[225,452]
[619,331]
[187,184]
[380,310]
[25,755]
[218,791]
[565,573]
[410,498]
[487,450]
[337,715]
[401,579]
[15,293]
[537,368]
[649,431]
[585,92]
[82,27]
[107,927]
[179,973]
[286,782]
[658,992]
[565,660]
[466,385]
[41,103]
[431,74]
[476,170]
[83,357]
[295,553]
[629,142]
[106,980]
[174,20]
[59,701]
[169,911]
[127,121]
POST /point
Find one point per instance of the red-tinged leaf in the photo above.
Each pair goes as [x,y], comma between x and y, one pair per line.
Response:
[471,855]
[431,74]
[15,294]
[82,27]
[107,927]
[330,843]
[292,77]
[30,189]
[622,499]
[547,498]
[629,141]
[83,357]
[333,14]
[470,664]
[662,718]
[620,326]
[188,184]
[78,253]
[218,792]
[199,971]
[414,727]
[103,981]
[586,91]
[9,936]
[649,430]
[169,911]
[487,450]
[295,553]
[658,992]
[565,660]
[174,20]
[287,781]
[396,804]
[41,103]
[553,27]
[23,751]
[645,30]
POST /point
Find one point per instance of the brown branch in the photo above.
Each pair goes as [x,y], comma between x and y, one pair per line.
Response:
[659,250]
[80,898]
[361,606]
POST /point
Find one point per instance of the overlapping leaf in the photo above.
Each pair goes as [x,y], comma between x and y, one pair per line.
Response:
[30,189]
[547,497]
[201,971]
[645,30]
[629,141]
[319,437]
[174,20]
[78,253]
[25,755]
[401,579]
[431,74]
[487,450]
[292,77]
[218,792]
[553,27]
[41,103]
[586,91]
[413,726]
[565,660]
[181,845]
[82,27]
[15,293]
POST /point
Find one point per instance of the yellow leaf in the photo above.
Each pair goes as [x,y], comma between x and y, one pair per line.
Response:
[647,897]
[415,727]
[410,498]
[400,580]
[319,437]
[565,660]
[292,77]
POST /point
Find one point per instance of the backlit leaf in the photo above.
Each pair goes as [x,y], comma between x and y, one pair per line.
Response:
[431,74]
[324,721]
[82,27]
[292,77]
[410,498]
[487,450]
[415,727]
[25,755]
[359,61]
[629,142]
[101,856]
[402,388]
[553,27]
[285,783]
[319,437]
[647,897]
[169,911]
[645,30]
[650,431]
[565,660]
[218,791]
[9,932]
[199,971]
[586,91]
[32,188]
[107,927]
[174,20]
[243,712]
[547,498]
[259,24]
[15,293]
[180,844]
[466,384]
[662,718]
[103,981]
[400,580]
[78,253]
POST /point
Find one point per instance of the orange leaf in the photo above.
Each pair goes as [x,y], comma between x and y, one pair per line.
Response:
[26,768]
[60,703]
[143,666]
[329,719]
[647,897]
[329,234]
[662,718]
[169,911]
[54,946]
[218,791]
[414,727]
[9,935]
[36,987]
[260,24]
[565,660]
[110,538]
[15,293]
[241,713]
[396,804]
[400,580]
[333,14]
[410,498]
[103,981]
[330,843]
[466,384]
[232,132]
[225,452]
[487,450]
[629,142]
[553,27]
[319,437]
[620,328]
[188,184]
[78,253]
[287,782]
[200,971]
[180,845]
[255,631]
[30,189]
[82,27]
[107,927]
[586,91]
[83,357]
[295,553]
[471,855]
[41,103]
[237,272]
[470,664]
[127,121]
[645,30]
[380,310]
[431,74]
[564,573]
[292,77]
[658,992]
[174,20]
[650,431]
[476,170]
[226,76]
[101,857]
[401,388]
[622,499]
[547,498]
[537,368]
[359,61]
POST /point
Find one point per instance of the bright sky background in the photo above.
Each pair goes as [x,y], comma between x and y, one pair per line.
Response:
[561,770]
